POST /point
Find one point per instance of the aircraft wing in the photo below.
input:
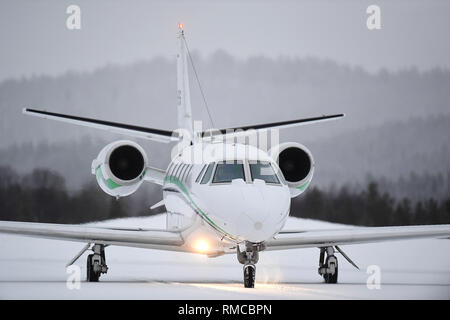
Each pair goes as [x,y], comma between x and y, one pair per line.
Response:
[252,129]
[141,238]
[116,127]
[325,238]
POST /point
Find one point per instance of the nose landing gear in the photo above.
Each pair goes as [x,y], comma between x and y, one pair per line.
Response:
[249,275]
[328,268]
[248,255]
[96,263]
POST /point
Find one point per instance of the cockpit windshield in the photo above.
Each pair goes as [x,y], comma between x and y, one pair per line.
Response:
[228,171]
[263,171]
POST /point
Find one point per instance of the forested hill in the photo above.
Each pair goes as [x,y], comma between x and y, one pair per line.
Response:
[239,92]
[396,127]
[407,149]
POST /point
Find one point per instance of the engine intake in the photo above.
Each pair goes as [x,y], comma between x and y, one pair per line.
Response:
[126,162]
[120,168]
[296,164]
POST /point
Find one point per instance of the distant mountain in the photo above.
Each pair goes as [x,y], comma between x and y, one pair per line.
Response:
[394,149]
[396,124]
[239,92]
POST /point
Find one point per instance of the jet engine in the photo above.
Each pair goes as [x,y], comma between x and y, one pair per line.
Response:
[120,168]
[296,164]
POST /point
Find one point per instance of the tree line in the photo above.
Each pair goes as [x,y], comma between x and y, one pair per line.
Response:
[41,196]
[369,207]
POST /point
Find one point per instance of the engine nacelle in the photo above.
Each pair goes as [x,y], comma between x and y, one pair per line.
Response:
[296,164]
[120,168]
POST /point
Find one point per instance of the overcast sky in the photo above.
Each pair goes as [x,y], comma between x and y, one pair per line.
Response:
[35,40]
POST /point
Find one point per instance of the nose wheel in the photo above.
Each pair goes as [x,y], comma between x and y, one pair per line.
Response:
[249,275]
[248,256]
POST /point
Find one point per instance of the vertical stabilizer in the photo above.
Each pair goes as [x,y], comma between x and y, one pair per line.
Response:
[183,93]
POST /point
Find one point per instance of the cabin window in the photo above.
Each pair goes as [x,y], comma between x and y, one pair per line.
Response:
[169,170]
[208,174]
[187,172]
[181,171]
[176,171]
[263,171]
[228,171]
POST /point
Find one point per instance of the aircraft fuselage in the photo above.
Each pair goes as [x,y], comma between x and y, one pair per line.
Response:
[235,191]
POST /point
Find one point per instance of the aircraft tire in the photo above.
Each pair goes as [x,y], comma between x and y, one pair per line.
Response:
[91,275]
[249,276]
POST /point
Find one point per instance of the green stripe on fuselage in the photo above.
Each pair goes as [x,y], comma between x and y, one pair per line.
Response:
[182,187]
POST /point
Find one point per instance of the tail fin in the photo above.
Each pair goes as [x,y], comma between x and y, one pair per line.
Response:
[183,91]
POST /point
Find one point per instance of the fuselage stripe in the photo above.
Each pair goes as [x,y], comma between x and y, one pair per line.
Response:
[179,184]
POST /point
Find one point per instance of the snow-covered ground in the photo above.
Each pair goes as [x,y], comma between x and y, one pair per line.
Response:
[32,268]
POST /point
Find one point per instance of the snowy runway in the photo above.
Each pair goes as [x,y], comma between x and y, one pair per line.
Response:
[33,268]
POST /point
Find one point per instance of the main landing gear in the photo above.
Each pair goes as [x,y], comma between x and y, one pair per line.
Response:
[328,268]
[247,254]
[96,263]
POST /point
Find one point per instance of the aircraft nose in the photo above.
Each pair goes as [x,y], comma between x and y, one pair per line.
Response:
[265,207]
[250,211]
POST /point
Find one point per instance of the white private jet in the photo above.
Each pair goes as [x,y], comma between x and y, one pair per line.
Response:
[234,198]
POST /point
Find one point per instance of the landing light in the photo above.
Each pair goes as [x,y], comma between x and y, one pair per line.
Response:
[180,26]
[201,245]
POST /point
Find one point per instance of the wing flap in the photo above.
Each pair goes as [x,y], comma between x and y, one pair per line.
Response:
[357,235]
